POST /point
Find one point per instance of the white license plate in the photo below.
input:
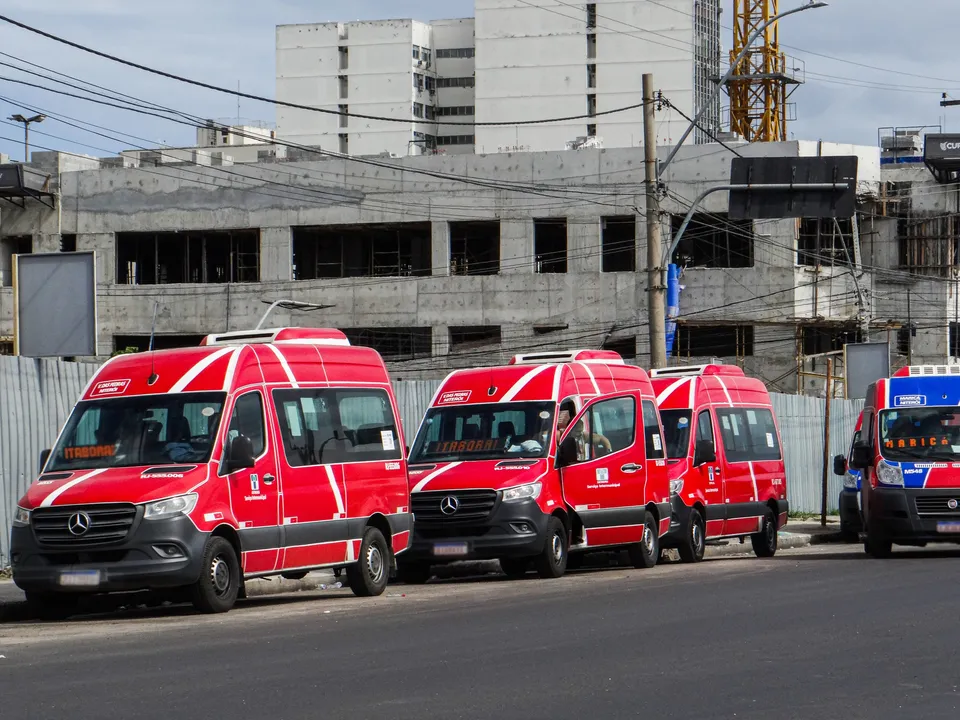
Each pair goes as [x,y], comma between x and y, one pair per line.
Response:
[948,527]
[450,549]
[85,578]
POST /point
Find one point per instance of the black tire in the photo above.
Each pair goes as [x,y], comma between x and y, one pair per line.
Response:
[299,575]
[552,562]
[368,576]
[413,573]
[694,543]
[52,606]
[878,544]
[765,542]
[219,584]
[515,568]
[645,553]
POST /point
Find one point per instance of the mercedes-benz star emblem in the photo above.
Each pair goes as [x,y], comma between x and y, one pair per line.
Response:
[78,523]
[449,505]
[952,504]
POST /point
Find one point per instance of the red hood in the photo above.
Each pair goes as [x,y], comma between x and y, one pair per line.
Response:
[113,485]
[475,474]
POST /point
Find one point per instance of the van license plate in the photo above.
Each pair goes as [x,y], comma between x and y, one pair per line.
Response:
[450,549]
[85,578]
[948,527]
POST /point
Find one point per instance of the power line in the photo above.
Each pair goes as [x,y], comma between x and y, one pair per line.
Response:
[296,106]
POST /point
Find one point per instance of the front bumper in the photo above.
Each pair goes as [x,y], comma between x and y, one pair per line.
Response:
[133,563]
[850,518]
[512,529]
[894,513]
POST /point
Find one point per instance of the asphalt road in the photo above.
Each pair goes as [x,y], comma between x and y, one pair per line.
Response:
[822,632]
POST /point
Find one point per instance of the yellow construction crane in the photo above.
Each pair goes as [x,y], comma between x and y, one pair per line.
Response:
[758,85]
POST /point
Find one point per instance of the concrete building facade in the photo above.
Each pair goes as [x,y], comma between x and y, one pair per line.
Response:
[441,262]
[516,61]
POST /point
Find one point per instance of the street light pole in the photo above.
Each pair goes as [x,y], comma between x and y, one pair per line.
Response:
[26,131]
[730,71]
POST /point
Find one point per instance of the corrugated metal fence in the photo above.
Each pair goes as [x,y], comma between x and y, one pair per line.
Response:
[37,395]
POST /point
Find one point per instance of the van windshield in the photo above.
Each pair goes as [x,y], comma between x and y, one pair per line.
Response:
[485,432]
[144,430]
[676,428]
[924,433]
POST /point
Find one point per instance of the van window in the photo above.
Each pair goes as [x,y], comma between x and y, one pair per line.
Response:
[704,427]
[616,421]
[322,426]
[651,430]
[748,434]
[676,430]
[247,420]
[488,431]
[139,430]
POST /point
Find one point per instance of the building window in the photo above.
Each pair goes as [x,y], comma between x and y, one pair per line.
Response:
[343,251]
[704,341]
[591,46]
[626,347]
[462,338]
[592,105]
[591,130]
[426,57]
[141,343]
[455,140]
[68,243]
[416,52]
[618,241]
[418,111]
[205,256]
[550,245]
[455,82]
[475,247]
[456,111]
[418,83]
[344,114]
[6,345]
[344,141]
[592,76]
[713,241]
[344,57]
[10,246]
[451,53]
[430,83]
[954,339]
[431,112]
[343,88]
[819,339]
[429,142]
[905,337]
[394,344]
[825,241]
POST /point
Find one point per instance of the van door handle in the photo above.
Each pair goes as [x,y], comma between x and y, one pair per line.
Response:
[630,468]
[268,479]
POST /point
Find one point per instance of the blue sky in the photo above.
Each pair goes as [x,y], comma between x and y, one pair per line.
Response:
[226,41]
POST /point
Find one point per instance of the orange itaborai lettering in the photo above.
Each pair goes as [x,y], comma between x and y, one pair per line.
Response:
[87,452]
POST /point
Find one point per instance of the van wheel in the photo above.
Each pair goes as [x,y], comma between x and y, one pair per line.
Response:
[299,575]
[645,553]
[765,541]
[52,606]
[878,545]
[216,590]
[369,575]
[413,573]
[694,544]
[552,562]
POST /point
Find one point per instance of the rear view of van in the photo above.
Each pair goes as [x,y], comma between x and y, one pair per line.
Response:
[727,474]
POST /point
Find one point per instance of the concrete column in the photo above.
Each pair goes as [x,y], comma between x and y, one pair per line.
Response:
[441,340]
[516,246]
[43,243]
[583,245]
[105,245]
[276,254]
[440,247]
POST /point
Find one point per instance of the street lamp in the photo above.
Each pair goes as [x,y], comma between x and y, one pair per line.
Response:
[26,131]
[732,69]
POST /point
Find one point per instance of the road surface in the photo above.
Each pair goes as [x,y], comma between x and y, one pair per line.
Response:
[822,632]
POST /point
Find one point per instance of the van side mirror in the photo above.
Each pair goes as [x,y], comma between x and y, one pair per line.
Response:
[840,465]
[44,456]
[704,452]
[567,452]
[240,456]
[861,457]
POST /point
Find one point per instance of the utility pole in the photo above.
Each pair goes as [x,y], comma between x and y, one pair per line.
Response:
[656,305]
[26,131]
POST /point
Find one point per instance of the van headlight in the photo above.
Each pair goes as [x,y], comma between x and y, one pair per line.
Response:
[171,507]
[889,475]
[21,518]
[850,481]
[522,492]
[676,487]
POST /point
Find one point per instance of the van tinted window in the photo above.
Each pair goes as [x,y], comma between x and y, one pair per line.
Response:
[615,420]
[247,420]
[651,431]
[321,426]
[748,434]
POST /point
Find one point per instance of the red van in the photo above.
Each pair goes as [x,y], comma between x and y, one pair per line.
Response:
[487,482]
[260,453]
[727,474]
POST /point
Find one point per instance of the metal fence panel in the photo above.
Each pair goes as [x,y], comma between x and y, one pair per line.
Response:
[413,397]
